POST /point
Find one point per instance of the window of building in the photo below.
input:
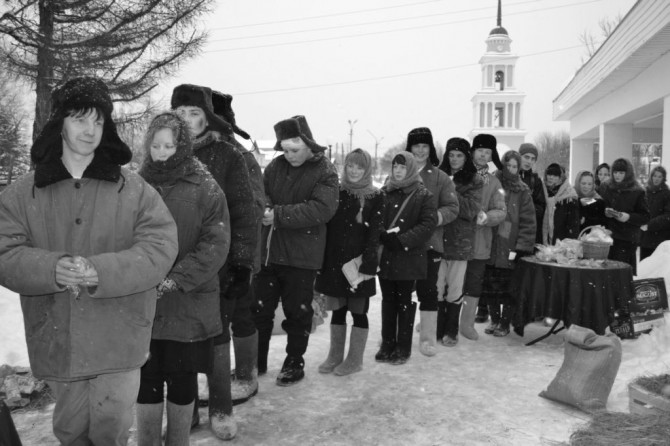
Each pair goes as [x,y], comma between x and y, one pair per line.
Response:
[500,81]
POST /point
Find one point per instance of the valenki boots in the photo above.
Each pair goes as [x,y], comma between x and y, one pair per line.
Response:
[178,424]
[441,319]
[389,332]
[338,336]
[403,348]
[149,424]
[468,314]
[427,336]
[245,379]
[354,361]
[221,419]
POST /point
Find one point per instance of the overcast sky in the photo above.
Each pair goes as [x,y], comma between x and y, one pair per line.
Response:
[392,65]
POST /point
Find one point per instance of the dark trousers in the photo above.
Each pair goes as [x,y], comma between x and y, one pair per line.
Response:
[426,289]
[295,288]
[397,292]
[235,312]
[646,252]
[624,251]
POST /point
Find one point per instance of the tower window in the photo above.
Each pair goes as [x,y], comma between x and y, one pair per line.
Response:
[500,81]
[499,116]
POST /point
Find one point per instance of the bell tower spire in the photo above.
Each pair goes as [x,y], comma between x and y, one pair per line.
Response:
[499,22]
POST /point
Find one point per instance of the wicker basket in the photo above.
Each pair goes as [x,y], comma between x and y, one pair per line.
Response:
[594,250]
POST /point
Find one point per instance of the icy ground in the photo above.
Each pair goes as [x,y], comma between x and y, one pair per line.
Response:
[478,393]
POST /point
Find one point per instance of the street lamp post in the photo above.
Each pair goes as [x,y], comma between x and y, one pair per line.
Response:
[351,133]
[377,141]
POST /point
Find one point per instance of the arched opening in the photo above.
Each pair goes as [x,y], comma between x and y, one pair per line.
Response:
[500,81]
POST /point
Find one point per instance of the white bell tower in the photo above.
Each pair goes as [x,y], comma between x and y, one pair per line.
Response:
[497,108]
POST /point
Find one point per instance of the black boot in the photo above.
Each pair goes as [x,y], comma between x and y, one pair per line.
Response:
[494,311]
[441,319]
[453,315]
[403,348]
[389,332]
[482,313]
[503,326]
[263,349]
[292,371]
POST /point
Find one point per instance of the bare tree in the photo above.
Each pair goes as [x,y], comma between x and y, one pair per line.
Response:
[552,147]
[593,41]
[131,44]
[14,157]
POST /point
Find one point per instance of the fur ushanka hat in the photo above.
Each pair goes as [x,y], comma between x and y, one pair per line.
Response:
[223,107]
[199,96]
[296,127]
[423,135]
[80,94]
[486,141]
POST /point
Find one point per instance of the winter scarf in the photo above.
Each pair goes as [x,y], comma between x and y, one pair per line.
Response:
[578,189]
[206,139]
[363,188]
[483,172]
[510,182]
[180,164]
[411,180]
[557,194]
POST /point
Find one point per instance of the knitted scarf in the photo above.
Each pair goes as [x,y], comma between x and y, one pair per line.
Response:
[555,195]
[483,172]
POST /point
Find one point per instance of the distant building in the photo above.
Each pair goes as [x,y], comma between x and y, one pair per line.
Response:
[497,108]
[618,103]
[263,150]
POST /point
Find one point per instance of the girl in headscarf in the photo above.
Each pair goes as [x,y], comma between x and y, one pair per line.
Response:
[591,204]
[353,232]
[409,220]
[602,174]
[512,238]
[561,217]
[187,313]
[658,199]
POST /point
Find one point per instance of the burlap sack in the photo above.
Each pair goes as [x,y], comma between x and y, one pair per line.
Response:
[589,368]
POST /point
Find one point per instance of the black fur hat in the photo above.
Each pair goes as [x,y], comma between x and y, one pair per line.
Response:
[223,106]
[423,135]
[77,94]
[460,145]
[199,96]
[296,127]
[486,141]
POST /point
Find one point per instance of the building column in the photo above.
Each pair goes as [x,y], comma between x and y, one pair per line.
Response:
[665,152]
[581,156]
[616,141]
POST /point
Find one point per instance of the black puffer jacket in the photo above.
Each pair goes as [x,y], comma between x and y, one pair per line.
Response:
[534,183]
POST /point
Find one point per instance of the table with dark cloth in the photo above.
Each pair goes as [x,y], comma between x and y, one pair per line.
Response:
[584,295]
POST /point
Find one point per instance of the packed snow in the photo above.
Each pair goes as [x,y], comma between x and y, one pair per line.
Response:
[477,393]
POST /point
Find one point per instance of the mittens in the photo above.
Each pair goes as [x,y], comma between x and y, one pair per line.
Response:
[391,241]
[167,285]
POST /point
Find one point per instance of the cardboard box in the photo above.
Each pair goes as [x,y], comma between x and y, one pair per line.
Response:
[643,402]
[645,309]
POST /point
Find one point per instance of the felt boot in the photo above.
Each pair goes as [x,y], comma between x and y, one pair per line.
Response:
[354,361]
[403,347]
[221,418]
[149,424]
[453,314]
[482,314]
[389,332]
[178,424]
[468,313]
[245,379]
[338,336]
[441,319]
[427,336]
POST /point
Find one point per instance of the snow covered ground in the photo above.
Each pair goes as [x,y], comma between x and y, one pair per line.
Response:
[478,393]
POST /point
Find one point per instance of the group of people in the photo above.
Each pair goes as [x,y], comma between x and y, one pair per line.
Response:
[141,280]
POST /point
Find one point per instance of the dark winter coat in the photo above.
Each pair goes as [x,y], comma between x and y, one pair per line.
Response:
[628,197]
[658,228]
[123,227]
[444,193]
[592,214]
[199,208]
[258,191]
[517,232]
[459,234]
[346,239]
[566,215]
[534,182]
[493,204]
[416,223]
[229,169]
[304,199]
